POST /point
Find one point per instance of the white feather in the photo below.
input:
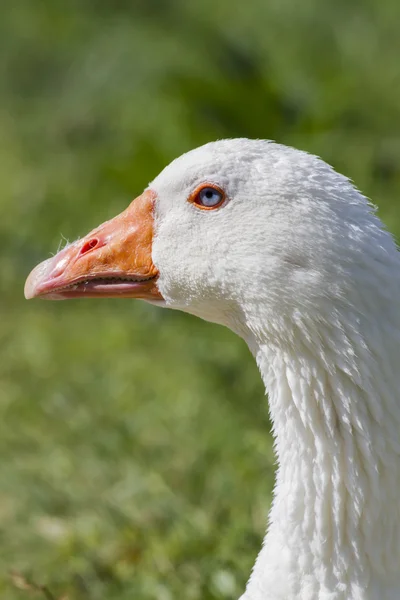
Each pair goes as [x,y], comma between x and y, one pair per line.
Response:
[299,265]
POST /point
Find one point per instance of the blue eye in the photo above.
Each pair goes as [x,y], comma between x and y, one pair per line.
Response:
[208,197]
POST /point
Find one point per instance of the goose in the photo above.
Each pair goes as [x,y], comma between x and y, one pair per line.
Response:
[273,243]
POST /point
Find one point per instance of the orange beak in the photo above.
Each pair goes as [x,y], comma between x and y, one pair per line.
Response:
[112,261]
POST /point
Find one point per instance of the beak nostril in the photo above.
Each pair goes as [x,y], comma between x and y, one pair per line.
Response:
[89,245]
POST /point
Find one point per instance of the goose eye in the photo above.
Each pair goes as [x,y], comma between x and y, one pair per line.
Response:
[208,197]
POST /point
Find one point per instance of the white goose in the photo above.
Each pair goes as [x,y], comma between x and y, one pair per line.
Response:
[276,245]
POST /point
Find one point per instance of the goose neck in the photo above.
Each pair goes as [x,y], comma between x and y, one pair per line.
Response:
[334,526]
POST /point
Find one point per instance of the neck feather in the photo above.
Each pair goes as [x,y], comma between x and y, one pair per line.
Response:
[334,530]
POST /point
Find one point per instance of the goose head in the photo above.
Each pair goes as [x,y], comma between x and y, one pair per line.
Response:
[276,245]
[231,229]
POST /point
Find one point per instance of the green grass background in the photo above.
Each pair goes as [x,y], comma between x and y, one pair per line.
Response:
[135,454]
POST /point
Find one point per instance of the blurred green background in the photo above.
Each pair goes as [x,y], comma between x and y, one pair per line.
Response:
[136,460]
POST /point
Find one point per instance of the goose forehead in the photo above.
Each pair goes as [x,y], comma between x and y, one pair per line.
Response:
[225,162]
[192,168]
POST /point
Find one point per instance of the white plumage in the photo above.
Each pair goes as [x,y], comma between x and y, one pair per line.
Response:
[299,265]
[295,261]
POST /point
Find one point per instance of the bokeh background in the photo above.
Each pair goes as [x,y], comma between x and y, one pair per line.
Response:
[136,459]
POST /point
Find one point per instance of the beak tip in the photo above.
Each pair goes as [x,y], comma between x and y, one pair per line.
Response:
[30,287]
[34,279]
